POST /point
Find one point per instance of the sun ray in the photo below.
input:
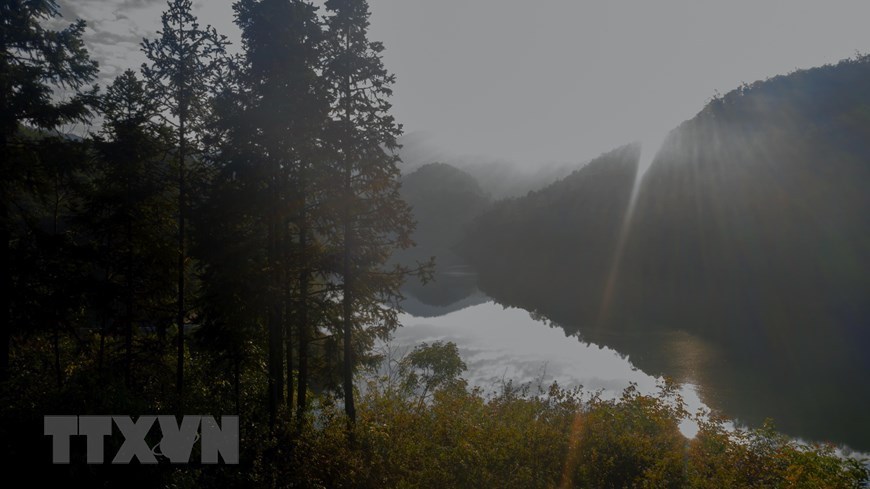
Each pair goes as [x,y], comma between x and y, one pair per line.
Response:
[649,148]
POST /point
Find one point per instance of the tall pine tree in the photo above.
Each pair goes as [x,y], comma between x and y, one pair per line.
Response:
[282,42]
[183,60]
[373,220]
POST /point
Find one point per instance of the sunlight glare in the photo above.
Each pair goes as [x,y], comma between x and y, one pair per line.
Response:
[649,148]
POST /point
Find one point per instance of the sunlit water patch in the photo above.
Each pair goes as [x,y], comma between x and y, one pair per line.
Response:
[506,344]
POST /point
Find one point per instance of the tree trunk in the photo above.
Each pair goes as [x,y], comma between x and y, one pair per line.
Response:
[347,299]
[179,319]
[128,326]
[288,350]
[276,349]
[104,322]
[287,301]
[304,329]
[58,372]
[236,381]
[5,300]
[5,269]
[347,305]
[304,339]
[102,352]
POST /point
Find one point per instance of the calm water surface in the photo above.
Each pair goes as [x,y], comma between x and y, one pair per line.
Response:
[501,344]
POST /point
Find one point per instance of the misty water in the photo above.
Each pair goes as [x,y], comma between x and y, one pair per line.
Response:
[501,343]
[506,344]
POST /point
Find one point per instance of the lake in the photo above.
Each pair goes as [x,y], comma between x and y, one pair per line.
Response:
[501,343]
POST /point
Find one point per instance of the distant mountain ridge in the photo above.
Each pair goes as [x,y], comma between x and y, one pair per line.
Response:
[497,177]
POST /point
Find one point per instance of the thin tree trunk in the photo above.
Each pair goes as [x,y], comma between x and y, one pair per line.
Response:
[288,322]
[182,202]
[102,352]
[5,268]
[181,98]
[347,305]
[5,299]
[276,347]
[58,372]
[236,381]
[288,349]
[104,326]
[287,302]
[347,299]
[128,331]
[275,323]
[302,383]
[272,398]
[304,329]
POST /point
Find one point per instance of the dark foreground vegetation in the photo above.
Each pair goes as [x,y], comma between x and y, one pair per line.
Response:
[419,425]
[414,432]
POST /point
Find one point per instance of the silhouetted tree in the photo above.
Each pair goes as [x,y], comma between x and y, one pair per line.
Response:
[373,220]
[283,108]
[130,206]
[34,61]
[183,59]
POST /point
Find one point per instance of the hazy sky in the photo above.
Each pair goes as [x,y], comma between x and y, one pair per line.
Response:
[550,80]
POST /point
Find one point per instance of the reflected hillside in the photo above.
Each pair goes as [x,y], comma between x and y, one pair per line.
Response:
[453,288]
[751,235]
[444,200]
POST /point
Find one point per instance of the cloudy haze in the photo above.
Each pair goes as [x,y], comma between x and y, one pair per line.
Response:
[549,80]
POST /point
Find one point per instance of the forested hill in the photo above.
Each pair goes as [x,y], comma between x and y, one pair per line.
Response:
[751,230]
[754,209]
[443,200]
[497,177]
[757,211]
[536,251]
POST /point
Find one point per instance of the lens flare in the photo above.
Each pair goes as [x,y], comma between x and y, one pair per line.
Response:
[649,148]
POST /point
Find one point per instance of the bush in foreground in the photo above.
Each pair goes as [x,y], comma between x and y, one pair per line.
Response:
[415,434]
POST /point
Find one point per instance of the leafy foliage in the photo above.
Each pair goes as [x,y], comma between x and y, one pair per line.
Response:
[554,438]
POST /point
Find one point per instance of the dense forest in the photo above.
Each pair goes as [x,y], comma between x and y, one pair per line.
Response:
[222,236]
[226,237]
[750,231]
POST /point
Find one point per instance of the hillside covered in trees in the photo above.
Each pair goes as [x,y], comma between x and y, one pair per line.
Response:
[444,200]
[498,178]
[750,231]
